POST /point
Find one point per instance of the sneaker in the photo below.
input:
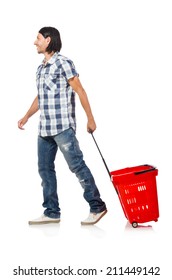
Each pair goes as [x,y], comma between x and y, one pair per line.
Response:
[44,220]
[93,218]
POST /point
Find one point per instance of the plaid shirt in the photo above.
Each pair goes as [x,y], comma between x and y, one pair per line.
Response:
[56,97]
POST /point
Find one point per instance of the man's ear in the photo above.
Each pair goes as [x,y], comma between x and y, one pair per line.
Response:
[48,39]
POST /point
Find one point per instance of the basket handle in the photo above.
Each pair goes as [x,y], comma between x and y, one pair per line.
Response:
[144,171]
[101,156]
[103,161]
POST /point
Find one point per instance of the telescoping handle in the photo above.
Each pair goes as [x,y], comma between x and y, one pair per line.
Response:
[101,155]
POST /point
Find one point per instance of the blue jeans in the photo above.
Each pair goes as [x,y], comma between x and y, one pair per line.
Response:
[69,146]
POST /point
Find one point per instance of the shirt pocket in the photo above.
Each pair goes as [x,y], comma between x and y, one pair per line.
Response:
[52,82]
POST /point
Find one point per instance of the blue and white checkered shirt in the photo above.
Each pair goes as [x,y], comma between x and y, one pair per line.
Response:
[56,97]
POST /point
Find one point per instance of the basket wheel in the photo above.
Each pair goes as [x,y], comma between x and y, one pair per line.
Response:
[134,224]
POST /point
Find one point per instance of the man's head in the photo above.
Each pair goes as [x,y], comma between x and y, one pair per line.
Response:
[48,40]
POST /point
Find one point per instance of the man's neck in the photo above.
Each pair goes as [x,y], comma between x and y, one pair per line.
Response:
[47,56]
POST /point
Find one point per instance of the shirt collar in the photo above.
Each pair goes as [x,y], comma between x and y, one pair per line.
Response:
[52,59]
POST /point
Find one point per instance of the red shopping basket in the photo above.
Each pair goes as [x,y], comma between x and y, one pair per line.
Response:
[137,191]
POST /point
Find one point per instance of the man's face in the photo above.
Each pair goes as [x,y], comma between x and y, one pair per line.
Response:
[41,43]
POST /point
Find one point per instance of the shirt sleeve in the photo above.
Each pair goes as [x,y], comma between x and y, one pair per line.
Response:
[68,69]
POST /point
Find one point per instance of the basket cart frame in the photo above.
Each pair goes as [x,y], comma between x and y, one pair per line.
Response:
[137,191]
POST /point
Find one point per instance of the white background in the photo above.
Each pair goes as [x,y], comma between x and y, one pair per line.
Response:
[123,53]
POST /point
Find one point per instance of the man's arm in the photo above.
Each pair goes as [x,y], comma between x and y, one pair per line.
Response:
[32,110]
[78,88]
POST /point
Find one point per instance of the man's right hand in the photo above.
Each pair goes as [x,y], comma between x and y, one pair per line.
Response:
[22,122]
[32,110]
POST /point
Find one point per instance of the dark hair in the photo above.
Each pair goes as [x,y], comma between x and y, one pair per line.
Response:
[55,43]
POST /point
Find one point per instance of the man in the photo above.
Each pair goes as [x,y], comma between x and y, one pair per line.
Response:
[57,82]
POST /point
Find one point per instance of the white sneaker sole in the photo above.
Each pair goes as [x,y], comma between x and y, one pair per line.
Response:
[44,222]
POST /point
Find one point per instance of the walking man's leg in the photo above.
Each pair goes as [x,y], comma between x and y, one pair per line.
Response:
[69,146]
[47,149]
